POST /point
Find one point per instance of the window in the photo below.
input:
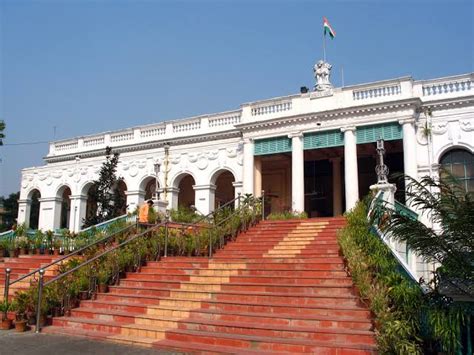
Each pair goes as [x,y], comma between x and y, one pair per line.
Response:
[460,164]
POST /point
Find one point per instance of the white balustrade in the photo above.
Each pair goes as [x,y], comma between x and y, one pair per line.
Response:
[120,137]
[225,120]
[271,108]
[381,91]
[447,87]
[90,142]
[60,147]
[186,126]
[152,132]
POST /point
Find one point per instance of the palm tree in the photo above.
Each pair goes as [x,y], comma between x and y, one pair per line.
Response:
[450,240]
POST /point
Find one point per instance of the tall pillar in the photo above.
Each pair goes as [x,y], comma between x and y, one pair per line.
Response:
[78,212]
[24,211]
[134,199]
[50,213]
[171,196]
[351,174]
[205,197]
[297,172]
[237,190]
[409,147]
[336,187]
[258,176]
[248,187]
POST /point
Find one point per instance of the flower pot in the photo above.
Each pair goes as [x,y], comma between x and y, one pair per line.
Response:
[56,252]
[31,318]
[31,251]
[103,288]
[83,295]
[6,324]
[38,251]
[23,251]
[20,326]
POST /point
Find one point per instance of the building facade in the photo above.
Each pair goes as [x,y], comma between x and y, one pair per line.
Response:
[313,151]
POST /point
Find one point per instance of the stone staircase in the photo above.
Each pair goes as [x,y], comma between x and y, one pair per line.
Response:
[279,288]
[21,266]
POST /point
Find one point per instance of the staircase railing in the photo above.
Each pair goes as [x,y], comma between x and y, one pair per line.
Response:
[79,251]
[249,211]
[377,215]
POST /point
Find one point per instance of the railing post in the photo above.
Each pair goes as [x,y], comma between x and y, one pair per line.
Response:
[7,283]
[40,294]
[167,219]
[263,205]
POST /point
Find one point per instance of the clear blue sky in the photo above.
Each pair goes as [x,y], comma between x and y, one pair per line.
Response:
[93,66]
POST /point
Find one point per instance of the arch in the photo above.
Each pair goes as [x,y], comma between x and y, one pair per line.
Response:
[176,180]
[186,194]
[448,147]
[459,163]
[147,186]
[34,208]
[63,193]
[217,172]
[223,180]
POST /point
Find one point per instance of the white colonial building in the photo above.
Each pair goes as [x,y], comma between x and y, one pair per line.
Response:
[313,151]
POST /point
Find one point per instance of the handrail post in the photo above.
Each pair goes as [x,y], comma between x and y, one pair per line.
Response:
[7,283]
[40,294]
[263,205]
[167,220]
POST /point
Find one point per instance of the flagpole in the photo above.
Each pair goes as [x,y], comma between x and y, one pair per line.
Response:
[324,46]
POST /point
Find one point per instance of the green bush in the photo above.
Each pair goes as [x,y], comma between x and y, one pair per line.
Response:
[287,215]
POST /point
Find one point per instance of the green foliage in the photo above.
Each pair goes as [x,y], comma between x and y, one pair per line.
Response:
[2,128]
[105,192]
[184,215]
[407,321]
[286,215]
[10,204]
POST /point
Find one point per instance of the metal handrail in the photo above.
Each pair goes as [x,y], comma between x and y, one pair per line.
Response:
[8,270]
[166,224]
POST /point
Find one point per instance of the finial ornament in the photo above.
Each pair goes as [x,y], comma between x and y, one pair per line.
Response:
[322,72]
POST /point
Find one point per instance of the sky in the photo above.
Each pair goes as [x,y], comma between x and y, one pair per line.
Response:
[71,68]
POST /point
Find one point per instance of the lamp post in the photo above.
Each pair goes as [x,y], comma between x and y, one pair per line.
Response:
[157,170]
[381,169]
[167,152]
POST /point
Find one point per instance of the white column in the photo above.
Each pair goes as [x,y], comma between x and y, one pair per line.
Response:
[336,187]
[24,211]
[248,187]
[171,197]
[409,147]
[50,213]
[351,174]
[204,198]
[78,212]
[134,199]
[237,190]
[258,176]
[297,172]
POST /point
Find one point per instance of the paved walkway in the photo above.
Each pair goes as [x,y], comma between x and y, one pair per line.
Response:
[29,343]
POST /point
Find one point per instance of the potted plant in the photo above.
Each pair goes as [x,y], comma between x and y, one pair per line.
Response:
[38,241]
[22,304]
[23,244]
[4,243]
[56,246]
[6,307]
[103,276]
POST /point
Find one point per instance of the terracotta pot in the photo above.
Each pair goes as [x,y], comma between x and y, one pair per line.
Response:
[83,295]
[31,251]
[56,252]
[6,324]
[103,288]
[20,326]
[38,251]
[22,251]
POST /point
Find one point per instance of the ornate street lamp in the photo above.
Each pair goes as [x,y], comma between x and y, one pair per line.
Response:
[381,169]
[157,170]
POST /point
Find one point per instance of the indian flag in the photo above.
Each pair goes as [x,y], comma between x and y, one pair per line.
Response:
[328,28]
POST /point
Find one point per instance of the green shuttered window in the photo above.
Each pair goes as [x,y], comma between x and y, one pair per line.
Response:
[323,139]
[388,131]
[272,145]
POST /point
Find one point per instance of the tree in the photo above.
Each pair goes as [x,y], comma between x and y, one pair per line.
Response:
[450,242]
[10,205]
[105,192]
[2,128]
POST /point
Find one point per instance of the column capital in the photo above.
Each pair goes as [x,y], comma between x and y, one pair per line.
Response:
[348,129]
[248,140]
[408,120]
[295,135]
[237,183]
[50,199]
[134,192]
[78,197]
[24,201]
[204,187]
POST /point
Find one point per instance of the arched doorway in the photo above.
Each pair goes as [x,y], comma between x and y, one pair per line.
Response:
[90,191]
[186,195]
[459,163]
[148,186]
[34,197]
[225,190]
[121,198]
[64,193]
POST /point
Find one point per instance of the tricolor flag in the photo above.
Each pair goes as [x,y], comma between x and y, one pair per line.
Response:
[328,28]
